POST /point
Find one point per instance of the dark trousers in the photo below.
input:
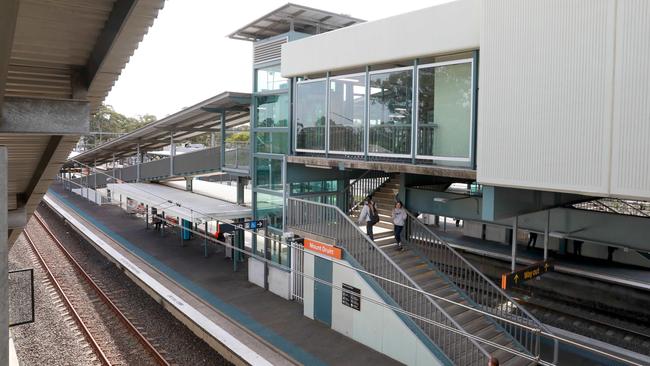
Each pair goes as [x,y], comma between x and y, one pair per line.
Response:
[398,234]
[369,230]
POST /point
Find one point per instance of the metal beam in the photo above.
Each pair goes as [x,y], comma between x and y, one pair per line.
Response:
[46,159]
[114,24]
[41,116]
[8,15]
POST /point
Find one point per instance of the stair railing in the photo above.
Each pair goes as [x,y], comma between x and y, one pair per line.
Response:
[330,221]
[359,188]
[482,293]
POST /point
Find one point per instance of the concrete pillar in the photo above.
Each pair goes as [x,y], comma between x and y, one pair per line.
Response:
[241,183]
[114,176]
[515,224]
[172,153]
[95,179]
[213,139]
[138,160]
[223,138]
[188,184]
[4,260]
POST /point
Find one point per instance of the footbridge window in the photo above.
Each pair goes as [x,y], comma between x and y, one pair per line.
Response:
[311,107]
[389,112]
[444,112]
[420,111]
[347,101]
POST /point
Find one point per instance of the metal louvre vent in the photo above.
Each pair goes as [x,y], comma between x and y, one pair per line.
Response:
[268,51]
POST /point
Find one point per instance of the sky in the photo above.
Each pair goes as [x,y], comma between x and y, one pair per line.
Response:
[186,56]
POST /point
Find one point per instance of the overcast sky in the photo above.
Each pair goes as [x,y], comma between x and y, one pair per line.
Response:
[186,56]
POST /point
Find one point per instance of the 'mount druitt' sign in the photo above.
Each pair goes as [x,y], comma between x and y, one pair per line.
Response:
[509,280]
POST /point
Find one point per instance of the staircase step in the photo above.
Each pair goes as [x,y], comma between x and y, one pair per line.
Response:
[385,240]
[433,284]
[417,269]
[477,324]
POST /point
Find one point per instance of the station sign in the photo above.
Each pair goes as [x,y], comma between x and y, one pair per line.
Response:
[351,297]
[509,280]
[322,248]
[250,225]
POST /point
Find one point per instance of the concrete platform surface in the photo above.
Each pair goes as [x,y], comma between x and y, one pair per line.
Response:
[276,322]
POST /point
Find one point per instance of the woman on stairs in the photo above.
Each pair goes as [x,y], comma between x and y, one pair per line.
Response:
[369,216]
[399,218]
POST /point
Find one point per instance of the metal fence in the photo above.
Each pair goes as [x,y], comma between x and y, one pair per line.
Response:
[396,286]
[481,292]
[297,270]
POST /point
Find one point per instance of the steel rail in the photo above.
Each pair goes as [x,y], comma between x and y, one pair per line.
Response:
[86,332]
[127,323]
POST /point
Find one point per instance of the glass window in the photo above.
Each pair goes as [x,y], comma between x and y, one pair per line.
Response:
[269,207]
[310,115]
[445,110]
[269,173]
[389,112]
[269,78]
[347,111]
[272,142]
[272,110]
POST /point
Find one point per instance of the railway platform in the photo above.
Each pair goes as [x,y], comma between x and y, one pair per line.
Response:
[583,267]
[221,306]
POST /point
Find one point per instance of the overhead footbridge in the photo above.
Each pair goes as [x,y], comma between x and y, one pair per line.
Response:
[126,158]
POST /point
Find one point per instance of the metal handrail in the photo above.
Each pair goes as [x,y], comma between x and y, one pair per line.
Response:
[476,276]
[331,221]
[349,189]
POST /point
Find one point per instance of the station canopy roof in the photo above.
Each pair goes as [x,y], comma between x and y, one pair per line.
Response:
[203,117]
[182,204]
[305,20]
[58,61]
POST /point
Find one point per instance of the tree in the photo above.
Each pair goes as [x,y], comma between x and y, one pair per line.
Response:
[107,124]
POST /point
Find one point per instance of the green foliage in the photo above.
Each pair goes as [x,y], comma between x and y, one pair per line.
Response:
[107,124]
[243,136]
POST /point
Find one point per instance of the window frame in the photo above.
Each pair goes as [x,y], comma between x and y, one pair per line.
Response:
[365,114]
[469,61]
[295,117]
[413,101]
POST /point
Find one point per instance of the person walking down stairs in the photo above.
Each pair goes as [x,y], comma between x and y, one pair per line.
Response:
[369,216]
[399,218]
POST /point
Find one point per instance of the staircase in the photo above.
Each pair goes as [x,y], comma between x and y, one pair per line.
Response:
[427,276]
[428,265]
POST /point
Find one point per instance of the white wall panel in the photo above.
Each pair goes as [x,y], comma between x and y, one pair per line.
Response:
[376,326]
[546,85]
[444,28]
[631,122]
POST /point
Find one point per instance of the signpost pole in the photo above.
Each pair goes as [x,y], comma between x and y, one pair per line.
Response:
[546,231]
[205,241]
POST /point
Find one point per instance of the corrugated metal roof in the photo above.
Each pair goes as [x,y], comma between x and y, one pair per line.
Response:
[182,204]
[192,121]
[305,20]
[52,46]
[53,41]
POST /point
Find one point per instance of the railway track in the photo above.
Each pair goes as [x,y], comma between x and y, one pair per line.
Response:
[590,323]
[114,339]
